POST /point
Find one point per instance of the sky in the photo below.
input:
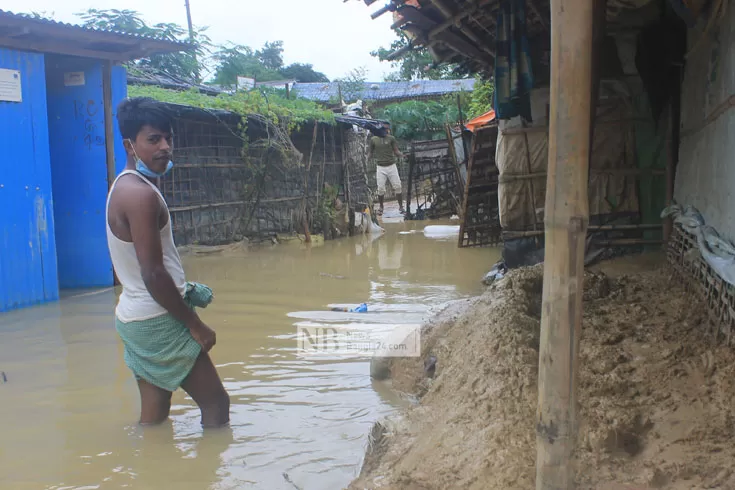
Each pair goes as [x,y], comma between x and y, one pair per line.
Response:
[333,35]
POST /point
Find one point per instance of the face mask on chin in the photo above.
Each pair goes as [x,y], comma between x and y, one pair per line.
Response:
[143,168]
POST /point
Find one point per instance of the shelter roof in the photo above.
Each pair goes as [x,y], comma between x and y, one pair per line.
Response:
[324,92]
[463,32]
[23,32]
[481,121]
[365,123]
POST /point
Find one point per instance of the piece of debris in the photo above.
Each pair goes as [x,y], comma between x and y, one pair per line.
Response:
[333,276]
[430,366]
[288,479]
[362,308]
[496,273]
[3,377]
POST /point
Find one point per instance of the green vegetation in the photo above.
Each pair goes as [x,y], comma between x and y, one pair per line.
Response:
[482,98]
[414,120]
[263,65]
[206,62]
[271,104]
[352,85]
[415,64]
[182,65]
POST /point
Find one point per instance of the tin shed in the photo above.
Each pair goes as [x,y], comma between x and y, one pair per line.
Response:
[59,84]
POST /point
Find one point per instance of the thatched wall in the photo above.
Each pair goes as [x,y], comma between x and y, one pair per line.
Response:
[224,188]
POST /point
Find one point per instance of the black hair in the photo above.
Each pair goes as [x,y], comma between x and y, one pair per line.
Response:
[133,114]
[380,132]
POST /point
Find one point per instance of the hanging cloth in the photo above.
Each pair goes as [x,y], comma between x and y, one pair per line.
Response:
[513,71]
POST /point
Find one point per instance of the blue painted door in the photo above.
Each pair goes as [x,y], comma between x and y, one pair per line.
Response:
[27,252]
[79,168]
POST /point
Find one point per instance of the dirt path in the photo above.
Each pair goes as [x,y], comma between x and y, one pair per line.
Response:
[656,394]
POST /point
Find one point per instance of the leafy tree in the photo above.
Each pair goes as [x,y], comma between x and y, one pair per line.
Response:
[414,120]
[185,65]
[230,60]
[303,72]
[417,120]
[353,84]
[237,60]
[42,15]
[481,100]
[271,55]
[416,64]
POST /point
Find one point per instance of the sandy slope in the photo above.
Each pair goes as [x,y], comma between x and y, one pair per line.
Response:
[656,395]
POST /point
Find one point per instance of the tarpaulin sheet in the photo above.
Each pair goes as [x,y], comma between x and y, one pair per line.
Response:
[613,148]
[480,121]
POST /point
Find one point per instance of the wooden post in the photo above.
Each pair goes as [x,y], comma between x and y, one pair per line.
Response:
[109,133]
[304,203]
[674,136]
[457,171]
[411,163]
[567,217]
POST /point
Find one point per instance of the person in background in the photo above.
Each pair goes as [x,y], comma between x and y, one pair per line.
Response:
[384,147]
[165,342]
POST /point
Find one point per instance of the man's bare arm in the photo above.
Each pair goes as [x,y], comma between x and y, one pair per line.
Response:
[143,209]
[396,150]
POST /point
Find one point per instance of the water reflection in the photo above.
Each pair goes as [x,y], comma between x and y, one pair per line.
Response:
[70,405]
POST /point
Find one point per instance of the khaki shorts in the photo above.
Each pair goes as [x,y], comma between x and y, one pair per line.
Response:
[388,174]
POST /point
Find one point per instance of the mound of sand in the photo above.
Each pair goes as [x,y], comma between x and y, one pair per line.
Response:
[656,394]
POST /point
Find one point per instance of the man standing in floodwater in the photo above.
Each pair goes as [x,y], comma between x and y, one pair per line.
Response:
[166,343]
[384,147]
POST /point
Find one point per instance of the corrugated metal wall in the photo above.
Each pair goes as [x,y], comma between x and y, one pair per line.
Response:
[705,175]
[28,259]
[78,163]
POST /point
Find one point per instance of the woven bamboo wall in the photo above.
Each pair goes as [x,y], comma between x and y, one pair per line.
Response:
[217,196]
[702,281]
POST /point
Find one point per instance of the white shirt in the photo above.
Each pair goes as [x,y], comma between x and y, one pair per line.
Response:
[136,303]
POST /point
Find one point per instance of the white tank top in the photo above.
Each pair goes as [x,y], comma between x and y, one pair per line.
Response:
[136,303]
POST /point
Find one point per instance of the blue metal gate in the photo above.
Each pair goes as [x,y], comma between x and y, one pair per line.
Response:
[79,168]
[28,259]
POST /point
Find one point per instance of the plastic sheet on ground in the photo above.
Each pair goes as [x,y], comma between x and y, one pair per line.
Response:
[441,231]
[718,252]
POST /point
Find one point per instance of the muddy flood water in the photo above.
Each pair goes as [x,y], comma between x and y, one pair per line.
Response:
[69,406]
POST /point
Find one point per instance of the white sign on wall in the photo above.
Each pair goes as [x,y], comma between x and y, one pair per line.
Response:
[245,83]
[10,89]
[74,79]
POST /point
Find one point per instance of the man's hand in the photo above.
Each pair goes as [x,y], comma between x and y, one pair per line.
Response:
[203,335]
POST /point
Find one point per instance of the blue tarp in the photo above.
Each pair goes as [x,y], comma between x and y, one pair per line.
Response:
[513,72]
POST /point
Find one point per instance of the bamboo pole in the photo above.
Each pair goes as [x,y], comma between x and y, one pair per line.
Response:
[109,134]
[411,165]
[510,234]
[530,181]
[672,160]
[617,172]
[304,203]
[567,217]
[457,171]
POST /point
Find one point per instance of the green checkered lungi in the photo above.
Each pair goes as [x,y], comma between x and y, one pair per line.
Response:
[161,350]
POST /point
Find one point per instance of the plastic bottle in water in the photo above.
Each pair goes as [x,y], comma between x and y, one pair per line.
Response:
[359,309]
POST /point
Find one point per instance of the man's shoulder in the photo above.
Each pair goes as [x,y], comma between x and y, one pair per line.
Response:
[131,189]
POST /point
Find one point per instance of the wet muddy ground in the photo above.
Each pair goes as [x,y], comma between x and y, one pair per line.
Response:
[655,391]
